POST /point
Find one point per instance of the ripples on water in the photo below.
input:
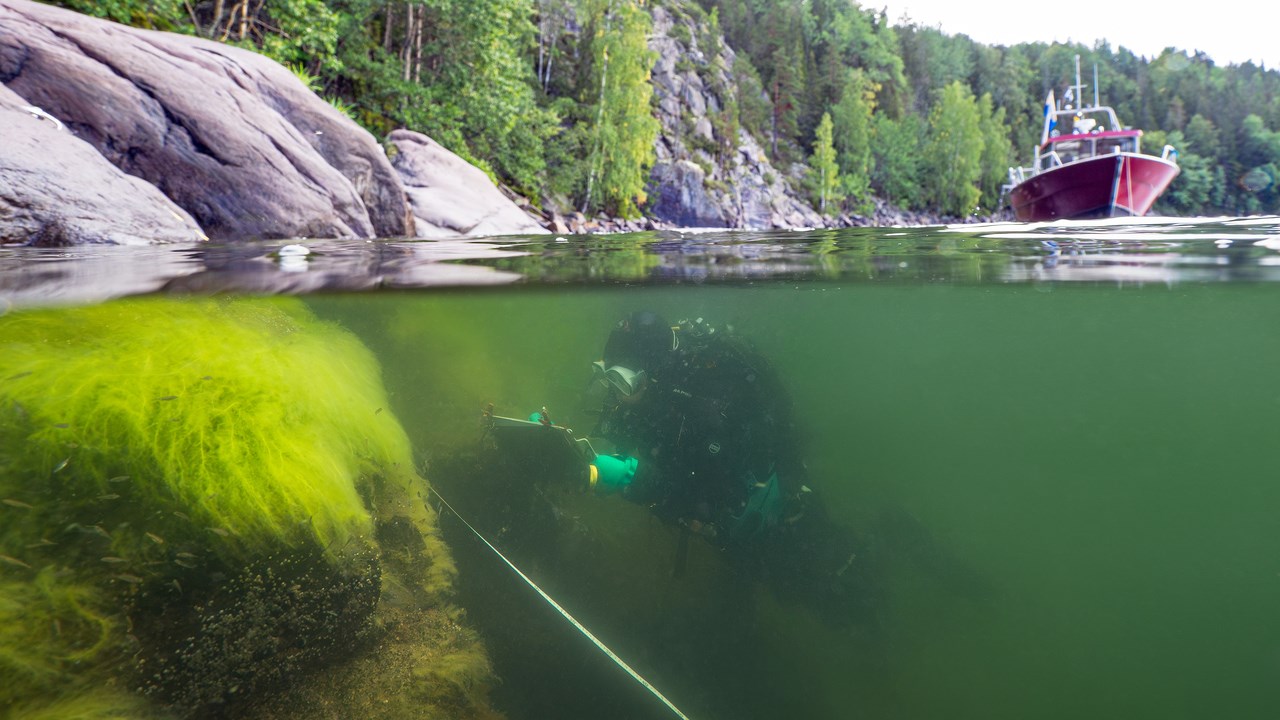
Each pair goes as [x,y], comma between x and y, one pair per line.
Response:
[1128,250]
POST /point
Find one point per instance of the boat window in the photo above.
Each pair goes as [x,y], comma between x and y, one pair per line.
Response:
[1068,151]
[1109,146]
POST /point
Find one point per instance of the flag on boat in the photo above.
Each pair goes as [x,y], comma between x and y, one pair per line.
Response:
[1050,122]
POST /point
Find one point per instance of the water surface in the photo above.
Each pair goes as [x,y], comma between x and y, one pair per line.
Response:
[1056,441]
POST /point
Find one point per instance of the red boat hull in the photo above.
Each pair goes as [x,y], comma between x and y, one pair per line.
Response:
[1115,185]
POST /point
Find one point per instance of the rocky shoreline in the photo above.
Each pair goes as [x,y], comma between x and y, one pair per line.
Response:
[118,135]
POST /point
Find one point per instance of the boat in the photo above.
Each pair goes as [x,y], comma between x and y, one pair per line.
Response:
[1096,169]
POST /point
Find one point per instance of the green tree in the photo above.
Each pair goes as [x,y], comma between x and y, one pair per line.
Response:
[1260,156]
[997,151]
[785,91]
[474,59]
[152,14]
[624,130]
[896,151]
[953,154]
[754,108]
[852,129]
[823,170]
[1190,192]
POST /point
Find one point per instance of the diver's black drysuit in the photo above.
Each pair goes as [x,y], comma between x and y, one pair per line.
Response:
[714,438]
[718,452]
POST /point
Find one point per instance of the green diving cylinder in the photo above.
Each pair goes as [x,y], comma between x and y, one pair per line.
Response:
[610,473]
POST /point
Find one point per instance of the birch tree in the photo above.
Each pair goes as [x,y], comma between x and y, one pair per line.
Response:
[625,129]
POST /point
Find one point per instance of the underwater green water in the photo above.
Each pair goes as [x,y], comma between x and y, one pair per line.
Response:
[1056,448]
[1071,489]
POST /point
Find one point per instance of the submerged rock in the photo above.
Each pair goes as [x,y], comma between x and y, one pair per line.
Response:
[56,189]
[189,531]
[229,135]
[450,197]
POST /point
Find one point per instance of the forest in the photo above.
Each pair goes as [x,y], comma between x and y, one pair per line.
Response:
[552,97]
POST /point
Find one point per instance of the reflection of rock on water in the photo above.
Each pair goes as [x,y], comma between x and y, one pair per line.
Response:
[208,515]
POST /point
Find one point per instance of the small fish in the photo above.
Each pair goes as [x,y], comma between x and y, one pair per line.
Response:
[118,479]
[186,555]
[14,561]
[378,411]
[166,398]
[176,586]
[62,465]
[207,377]
[131,579]
[20,375]
[220,532]
[155,538]
[44,542]
[184,516]
[113,560]
[184,563]
[109,496]
[98,530]
[17,503]
[62,426]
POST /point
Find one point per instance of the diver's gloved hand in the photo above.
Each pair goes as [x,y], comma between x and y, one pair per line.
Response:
[610,473]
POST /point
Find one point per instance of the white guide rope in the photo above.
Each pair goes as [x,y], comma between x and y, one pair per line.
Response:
[550,601]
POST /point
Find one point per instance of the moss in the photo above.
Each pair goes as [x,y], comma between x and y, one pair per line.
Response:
[204,501]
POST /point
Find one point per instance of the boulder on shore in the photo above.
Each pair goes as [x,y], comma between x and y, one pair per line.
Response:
[451,198]
[229,135]
[56,190]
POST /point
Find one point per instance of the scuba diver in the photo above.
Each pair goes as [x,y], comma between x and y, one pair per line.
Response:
[704,436]
[702,429]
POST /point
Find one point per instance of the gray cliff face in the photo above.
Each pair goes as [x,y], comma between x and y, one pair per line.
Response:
[700,177]
[227,134]
[57,190]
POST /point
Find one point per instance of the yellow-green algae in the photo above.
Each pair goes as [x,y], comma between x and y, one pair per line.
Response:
[205,501]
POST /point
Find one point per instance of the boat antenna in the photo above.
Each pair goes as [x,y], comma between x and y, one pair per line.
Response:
[1095,86]
[1079,88]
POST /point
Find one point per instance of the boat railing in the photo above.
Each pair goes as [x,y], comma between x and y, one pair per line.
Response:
[1049,160]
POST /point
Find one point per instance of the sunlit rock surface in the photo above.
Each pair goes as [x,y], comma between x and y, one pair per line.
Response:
[230,136]
[57,190]
[450,197]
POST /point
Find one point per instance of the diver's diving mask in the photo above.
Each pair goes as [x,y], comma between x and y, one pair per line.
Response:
[624,380]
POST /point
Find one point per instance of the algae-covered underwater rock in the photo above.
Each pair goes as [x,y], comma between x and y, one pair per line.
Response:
[206,508]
